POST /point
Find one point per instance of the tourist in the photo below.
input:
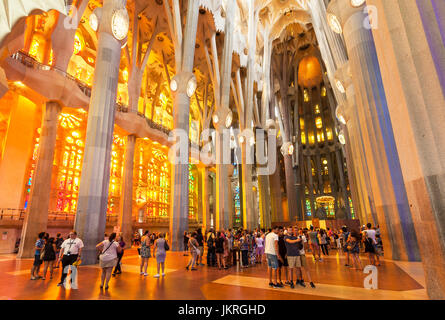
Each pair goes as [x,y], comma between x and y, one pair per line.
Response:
[118,268]
[194,251]
[200,239]
[70,252]
[108,258]
[137,239]
[293,246]
[369,236]
[40,243]
[345,238]
[354,249]
[259,241]
[304,269]
[313,242]
[49,256]
[271,250]
[145,253]
[282,263]
[322,238]
[219,249]
[58,242]
[186,243]
[159,251]
[337,240]
[236,248]
[244,248]
[211,254]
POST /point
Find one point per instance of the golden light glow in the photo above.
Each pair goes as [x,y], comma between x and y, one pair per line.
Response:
[329,133]
[306,96]
[125,75]
[78,43]
[301,124]
[303,138]
[309,72]
[34,48]
[318,123]
[317,109]
[311,138]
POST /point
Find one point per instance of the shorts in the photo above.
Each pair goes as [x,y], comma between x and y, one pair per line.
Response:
[272,261]
[294,261]
[284,263]
[259,251]
[160,258]
[37,261]
[303,261]
[108,264]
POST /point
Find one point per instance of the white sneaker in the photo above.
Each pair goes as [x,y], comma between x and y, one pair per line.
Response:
[145,274]
[156,276]
[142,273]
[163,274]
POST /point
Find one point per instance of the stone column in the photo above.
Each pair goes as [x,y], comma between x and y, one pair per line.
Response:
[341,172]
[275,193]
[36,218]
[248,207]
[264,205]
[206,189]
[126,201]
[184,56]
[409,51]
[93,192]
[311,186]
[371,101]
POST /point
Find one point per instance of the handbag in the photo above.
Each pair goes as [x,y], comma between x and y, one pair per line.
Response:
[198,252]
[100,254]
[42,252]
[166,246]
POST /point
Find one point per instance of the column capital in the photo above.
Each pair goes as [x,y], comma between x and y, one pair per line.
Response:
[339,11]
[114,19]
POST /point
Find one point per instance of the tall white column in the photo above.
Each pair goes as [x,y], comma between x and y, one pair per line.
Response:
[93,191]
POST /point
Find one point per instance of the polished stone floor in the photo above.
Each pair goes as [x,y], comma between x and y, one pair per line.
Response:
[396,280]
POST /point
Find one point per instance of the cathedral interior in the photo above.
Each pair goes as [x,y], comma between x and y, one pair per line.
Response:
[93,93]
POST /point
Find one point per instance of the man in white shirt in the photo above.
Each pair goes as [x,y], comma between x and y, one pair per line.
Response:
[271,250]
[70,252]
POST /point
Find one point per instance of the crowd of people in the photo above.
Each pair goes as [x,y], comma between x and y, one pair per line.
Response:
[284,250]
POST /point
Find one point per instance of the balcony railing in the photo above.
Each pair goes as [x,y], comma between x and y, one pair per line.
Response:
[12,214]
[30,62]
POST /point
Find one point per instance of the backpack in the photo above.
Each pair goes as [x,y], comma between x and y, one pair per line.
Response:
[59,242]
[210,242]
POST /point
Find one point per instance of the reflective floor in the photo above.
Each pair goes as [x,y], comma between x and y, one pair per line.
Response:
[396,280]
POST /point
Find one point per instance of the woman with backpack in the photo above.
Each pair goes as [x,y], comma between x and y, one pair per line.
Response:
[49,256]
[160,249]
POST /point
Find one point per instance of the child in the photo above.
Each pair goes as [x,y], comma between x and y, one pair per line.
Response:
[353,247]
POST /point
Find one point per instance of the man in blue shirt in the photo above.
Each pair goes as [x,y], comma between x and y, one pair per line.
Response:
[37,262]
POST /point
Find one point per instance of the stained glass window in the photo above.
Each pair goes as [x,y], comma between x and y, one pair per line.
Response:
[308,207]
[152,179]
[193,192]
